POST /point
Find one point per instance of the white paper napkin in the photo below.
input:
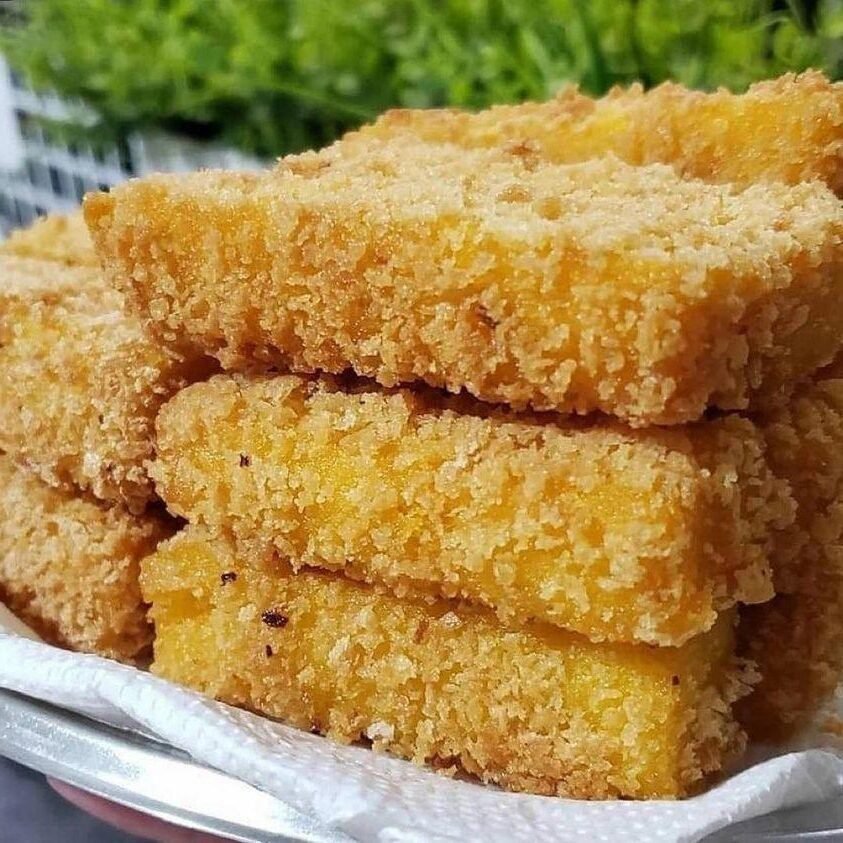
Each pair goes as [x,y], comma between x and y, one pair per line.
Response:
[373,797]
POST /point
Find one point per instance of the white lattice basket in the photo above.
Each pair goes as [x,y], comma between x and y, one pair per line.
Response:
[40,174]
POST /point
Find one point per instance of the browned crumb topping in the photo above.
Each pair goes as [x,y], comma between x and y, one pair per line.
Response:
[534,709]
[275,618]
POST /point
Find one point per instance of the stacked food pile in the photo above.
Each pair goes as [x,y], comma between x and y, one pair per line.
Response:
[518,408]
[80,386]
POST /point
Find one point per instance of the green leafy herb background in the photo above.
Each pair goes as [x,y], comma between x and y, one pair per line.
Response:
[272,76]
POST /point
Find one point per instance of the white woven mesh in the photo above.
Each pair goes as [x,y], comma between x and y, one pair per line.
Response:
[40,173]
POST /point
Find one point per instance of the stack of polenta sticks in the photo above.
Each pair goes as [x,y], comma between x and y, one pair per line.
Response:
[518,408]
[80,385]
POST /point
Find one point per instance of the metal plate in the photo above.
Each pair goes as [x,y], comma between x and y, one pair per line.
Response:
[140,773]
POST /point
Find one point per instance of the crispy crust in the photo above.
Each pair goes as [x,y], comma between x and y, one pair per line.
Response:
[534,709]
[796,642]
[69,566]
[80,381]
[621,535]
[788,129]
[805,447]
[797,639]
[595,286]
[57,237]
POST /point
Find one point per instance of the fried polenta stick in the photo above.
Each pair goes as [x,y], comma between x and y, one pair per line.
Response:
[535,709]
[80,381]
[619,535]
[788,129]
[797,639]
[69,566]
[595,286]
[58,237]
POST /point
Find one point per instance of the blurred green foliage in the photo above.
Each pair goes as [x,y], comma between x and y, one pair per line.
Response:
[272,76]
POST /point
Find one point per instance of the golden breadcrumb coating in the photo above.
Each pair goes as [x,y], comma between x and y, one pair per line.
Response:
[595,286]
[69,566]
[535,709]
[788,129]
[620,535]
[57,237]
[80,381]
[797,639]
[805,447]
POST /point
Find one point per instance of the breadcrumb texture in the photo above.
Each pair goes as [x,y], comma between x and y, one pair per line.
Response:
[536,709]
[58,237]
[617,534]
[797,639]
[788,129]
[595,286]
[80,380]
[69,566]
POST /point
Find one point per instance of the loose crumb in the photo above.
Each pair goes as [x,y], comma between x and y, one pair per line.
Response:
[275,618]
